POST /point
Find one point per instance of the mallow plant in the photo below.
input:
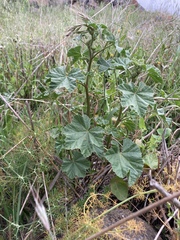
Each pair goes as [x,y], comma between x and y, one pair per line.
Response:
[107,105]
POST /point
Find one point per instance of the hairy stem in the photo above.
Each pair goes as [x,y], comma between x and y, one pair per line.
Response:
[119,116]
[116,124]
[89,45]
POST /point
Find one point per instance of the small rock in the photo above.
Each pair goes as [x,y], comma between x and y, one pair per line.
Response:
[135,229]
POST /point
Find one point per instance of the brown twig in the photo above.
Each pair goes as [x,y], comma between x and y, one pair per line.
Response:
[164,99]
[165,154]
[30,116]
[156,185]
[154,129]
[133,215]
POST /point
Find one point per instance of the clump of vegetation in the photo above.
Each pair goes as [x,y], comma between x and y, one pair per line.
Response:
[97,105]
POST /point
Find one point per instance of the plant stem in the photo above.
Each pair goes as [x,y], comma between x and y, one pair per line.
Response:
[109,140]
[116,124]
[88,76]
[119,116]
[87,99]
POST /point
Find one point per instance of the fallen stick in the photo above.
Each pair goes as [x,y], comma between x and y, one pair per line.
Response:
[157,186]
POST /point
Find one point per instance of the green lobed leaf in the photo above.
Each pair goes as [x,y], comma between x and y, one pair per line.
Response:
[108,36]
[60,79]
[154,73]
[75,53]
[119,188]
[139,97]
[118,48]
[79,135]
[77,166]
[54,133]
[104,65]
[126,163]
[160,111]
[59,146]
[116,63]
[166,132]
[77,74]
[129,124]
[121,63]
[151,160]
